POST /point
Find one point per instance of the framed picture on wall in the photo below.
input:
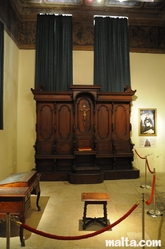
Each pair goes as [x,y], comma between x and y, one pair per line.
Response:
[147,122]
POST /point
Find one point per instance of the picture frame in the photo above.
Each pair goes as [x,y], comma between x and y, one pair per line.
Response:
[147,121]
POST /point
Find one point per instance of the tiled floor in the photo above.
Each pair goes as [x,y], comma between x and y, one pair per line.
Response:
[64,209]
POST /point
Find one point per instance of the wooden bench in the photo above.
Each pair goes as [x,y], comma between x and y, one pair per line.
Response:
[95,198]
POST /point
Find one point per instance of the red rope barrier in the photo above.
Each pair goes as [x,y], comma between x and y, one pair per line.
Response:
[149,167]
[139,155]
[146,162]
[57,237]
[149,201]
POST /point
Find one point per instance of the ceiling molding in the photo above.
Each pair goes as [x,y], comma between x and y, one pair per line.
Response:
[146,32]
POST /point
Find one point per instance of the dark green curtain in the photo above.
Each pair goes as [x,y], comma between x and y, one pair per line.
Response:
[111,53]
[54,52]
[1,72]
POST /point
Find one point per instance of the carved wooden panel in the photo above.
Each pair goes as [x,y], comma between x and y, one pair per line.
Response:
[122,146]
[104,120]
[45,147]
[46,122]
[121,121]
[63,147]
[121,128]
[64,128]
[64,121]
[104,127]
[45,129]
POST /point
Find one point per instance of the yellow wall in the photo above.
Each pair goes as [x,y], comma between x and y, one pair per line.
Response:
[8,136]
[148,77]
[26,112]
[18,137]
[82,67]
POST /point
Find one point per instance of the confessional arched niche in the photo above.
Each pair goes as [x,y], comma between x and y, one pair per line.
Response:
[84,121]
[84,140]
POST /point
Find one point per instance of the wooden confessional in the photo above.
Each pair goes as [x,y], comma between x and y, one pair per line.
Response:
[83,135]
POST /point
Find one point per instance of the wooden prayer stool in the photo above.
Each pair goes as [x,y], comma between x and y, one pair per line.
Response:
[95,198]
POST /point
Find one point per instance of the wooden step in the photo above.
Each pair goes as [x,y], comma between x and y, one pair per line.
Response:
[85,169]
[90,178]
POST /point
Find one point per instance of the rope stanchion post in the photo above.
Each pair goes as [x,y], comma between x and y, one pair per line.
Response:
[143,219]
[8,231]
[154,212]
[145,183]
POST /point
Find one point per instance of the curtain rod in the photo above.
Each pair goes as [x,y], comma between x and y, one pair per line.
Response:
[55,14]
[110,16]
[120,17]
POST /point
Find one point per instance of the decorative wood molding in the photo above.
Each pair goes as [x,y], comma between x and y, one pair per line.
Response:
[128,89]
[147,38]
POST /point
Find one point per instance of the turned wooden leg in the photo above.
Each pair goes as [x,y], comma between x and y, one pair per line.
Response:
[105,212]
[84,216]
[37,201]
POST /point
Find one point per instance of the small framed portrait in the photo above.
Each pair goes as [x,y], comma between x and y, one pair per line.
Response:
[147,122]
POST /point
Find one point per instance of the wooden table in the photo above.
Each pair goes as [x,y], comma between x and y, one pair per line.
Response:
[95,199]
[15,193]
